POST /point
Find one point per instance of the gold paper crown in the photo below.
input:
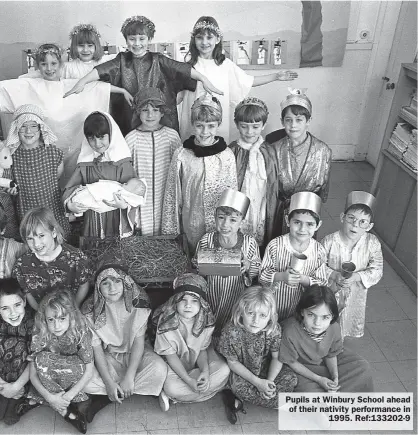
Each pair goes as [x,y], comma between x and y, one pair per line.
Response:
[360,197]
[297,97]
[206,25]
[138,19]
[234,199]
[207,100]
[252,101]
[305,201]
[80,27]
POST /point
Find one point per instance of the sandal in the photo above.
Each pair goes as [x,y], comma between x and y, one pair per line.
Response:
[24,406]
[79,422]
[231,409]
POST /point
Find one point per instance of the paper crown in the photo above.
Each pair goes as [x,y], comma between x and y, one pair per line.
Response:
[305,201]
[234,199]
[80,27]
[138,19]
[207,100]
[297,97]
[206,25]
[252,101]
[360,197]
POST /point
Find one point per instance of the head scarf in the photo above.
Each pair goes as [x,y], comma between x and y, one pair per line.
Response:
[28,112]
[134,296]
[166,318]
[118,148]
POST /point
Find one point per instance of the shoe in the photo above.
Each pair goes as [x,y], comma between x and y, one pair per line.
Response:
[23,406]
[79,422]
[164,401]
[3,406]
[98,402]
[11,417]
[231,409]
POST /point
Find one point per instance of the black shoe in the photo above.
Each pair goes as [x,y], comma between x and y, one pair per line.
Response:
[11,417]
[23,406]
[79,422]
[3,406]
[98,402]
[231,410]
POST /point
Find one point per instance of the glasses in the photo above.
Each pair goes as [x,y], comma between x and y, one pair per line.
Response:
[32,127]
[362,223]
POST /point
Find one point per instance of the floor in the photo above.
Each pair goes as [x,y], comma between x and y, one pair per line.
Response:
[389,344]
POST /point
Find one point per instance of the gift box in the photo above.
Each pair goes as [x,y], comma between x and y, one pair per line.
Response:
[219,261]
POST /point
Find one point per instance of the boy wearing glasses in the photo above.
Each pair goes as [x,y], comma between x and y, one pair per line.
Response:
[354,243]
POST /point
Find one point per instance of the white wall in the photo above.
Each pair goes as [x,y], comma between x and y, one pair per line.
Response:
[338,94]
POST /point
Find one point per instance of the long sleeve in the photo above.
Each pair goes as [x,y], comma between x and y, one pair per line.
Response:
[171,216]
[320,275]
[253,256]
[374,271]
[268,265]
[326,242]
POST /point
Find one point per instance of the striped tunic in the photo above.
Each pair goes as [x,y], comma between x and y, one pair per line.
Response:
[223,291]
[277,259]
[151,154]
[367,256]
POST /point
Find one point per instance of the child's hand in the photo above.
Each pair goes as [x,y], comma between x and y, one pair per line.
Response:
[328,384]
[245,265]
[115,392]
[291,277]
[203,381]
[355,277]
[192,383]
[58,402]
[266,388]
[76,207]
[128,97]
[75,90]
[118,201]
[127,384]
[209,87]
[12,190]
[286,75]
[9,390]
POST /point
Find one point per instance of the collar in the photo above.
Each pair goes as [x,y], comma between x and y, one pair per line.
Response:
[216,148]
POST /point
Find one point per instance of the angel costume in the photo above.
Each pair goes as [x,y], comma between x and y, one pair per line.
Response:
[114,164]
[304,168]
[227,77]
[65,116]
[277,258]
[115,327]
[368,258]
[196,179]
[187,338]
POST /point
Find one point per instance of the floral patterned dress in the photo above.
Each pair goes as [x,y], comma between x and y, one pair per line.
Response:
[254,352]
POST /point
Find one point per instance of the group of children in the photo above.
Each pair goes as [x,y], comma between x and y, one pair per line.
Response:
[270,328]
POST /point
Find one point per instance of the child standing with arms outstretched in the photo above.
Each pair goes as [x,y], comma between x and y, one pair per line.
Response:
[37,163]
[276,270]
[353,243]
[251,343]
[51,264]
[256,169]
[16,323]
[184,326]
[206,56]
[313,348]
[223,291]
[139,68]
[62,358]
[152,146]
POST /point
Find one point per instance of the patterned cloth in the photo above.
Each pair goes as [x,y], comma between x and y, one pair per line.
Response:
[152,152]
[151,70]
[354,373]
[224,291]
[69,270]
[307,171]
[367,256]
[194,186]
[36,173]
[60,363]
[8,202]
[230,79]
[14,346]
[277,259]
[10,251]
[254,351]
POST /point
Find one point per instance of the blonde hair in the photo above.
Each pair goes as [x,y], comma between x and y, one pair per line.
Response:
[40,216]
[255,297]
[60,302]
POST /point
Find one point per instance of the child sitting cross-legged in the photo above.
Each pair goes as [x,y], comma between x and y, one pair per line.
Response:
[184,327]
[353,243]
[288,282]
[223,291]
[251,343]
